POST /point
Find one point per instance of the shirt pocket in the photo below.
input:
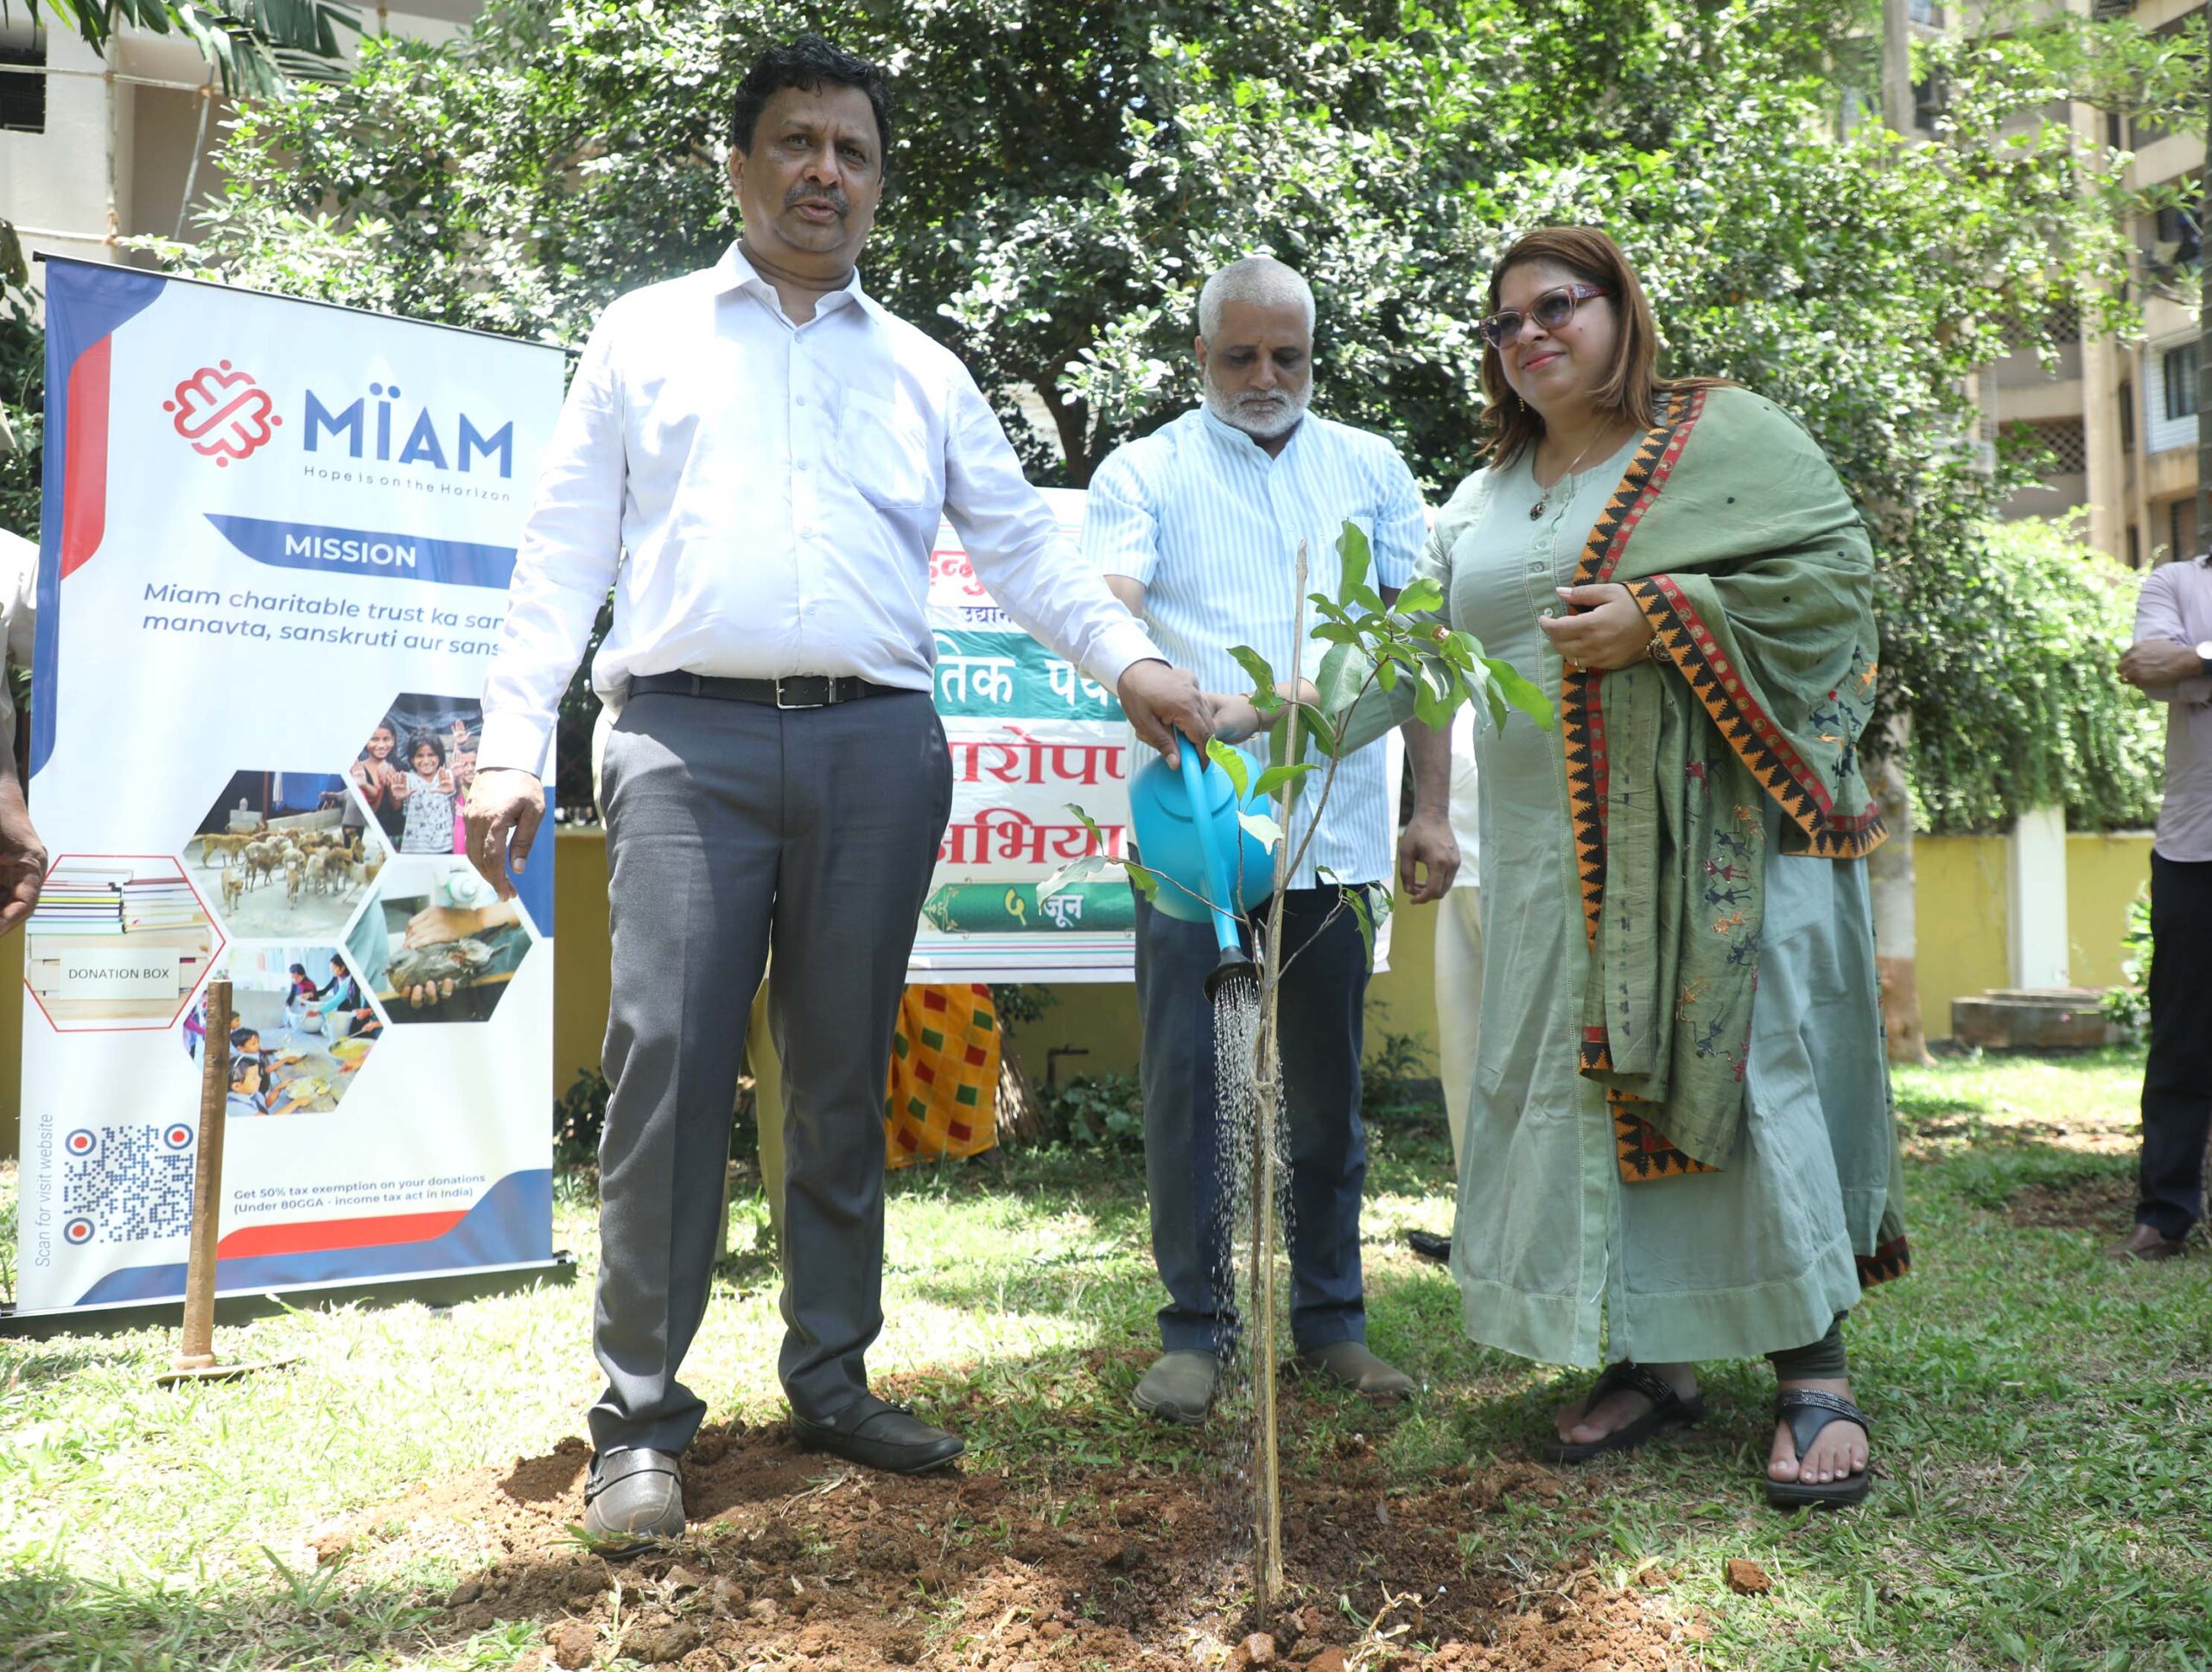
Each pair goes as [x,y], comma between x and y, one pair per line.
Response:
[884,449]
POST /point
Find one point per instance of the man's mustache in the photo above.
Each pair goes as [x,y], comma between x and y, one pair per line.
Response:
[833,198]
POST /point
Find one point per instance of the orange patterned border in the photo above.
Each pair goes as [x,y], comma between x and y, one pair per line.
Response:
[1686,642]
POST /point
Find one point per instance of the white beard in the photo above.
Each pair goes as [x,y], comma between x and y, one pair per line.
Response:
[1262,421]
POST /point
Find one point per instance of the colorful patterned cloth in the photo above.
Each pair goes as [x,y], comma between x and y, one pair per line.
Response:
[943,1097]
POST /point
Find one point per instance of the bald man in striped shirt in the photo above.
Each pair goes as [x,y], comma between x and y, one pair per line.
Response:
[1196,528]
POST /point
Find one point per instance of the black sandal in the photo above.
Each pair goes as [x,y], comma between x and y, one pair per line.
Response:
[1669,1410]
[1808,1410]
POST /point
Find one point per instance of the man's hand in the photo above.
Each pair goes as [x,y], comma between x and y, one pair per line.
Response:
[2158,661]
[1161,701]
[22,856]
[1609,633]
[505,806]
[1428,857]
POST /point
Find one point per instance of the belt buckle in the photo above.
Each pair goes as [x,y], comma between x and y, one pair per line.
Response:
[830,684]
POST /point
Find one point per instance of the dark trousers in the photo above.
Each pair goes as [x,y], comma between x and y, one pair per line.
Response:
[2177,1080]
[1322,1005]
[733,829]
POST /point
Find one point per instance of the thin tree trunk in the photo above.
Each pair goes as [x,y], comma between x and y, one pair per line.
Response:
[1072,420]
[1019,1119]
[1890,878]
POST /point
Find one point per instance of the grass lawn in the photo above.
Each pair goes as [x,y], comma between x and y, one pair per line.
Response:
[2043,1425]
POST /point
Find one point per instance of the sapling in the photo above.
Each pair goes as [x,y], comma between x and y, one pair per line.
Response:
[1387,660]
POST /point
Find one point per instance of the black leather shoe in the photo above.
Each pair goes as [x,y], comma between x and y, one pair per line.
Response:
[631,1498]
[1430,1246]
[881,1435]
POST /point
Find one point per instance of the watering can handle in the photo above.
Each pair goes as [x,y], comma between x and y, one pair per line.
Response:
[1224,921]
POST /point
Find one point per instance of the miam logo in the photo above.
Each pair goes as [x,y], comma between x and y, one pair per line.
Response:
[223,413]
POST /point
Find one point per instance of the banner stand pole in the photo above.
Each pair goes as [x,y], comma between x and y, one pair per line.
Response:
[195,1359]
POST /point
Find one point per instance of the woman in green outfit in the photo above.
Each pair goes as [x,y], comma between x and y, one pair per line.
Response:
[1680,1123]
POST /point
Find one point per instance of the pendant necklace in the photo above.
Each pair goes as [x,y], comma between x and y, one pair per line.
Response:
[1543,495]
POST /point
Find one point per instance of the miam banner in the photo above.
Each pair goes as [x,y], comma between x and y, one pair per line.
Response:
[276,545]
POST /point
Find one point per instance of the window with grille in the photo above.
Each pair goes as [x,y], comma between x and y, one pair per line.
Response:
[2178,227]
[1926,12]
[2063,439]
[2126,413]
[2178,367]
[22,88]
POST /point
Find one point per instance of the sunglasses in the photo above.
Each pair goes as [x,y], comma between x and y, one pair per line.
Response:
[1552,310]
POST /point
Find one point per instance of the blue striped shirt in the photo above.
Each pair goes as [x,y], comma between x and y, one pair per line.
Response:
[1199,513]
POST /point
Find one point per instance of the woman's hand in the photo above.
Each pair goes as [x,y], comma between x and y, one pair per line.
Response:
[445,781]
[1609,633]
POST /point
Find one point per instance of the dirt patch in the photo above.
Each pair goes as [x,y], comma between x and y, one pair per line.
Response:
[2105,1203]
[798,1561]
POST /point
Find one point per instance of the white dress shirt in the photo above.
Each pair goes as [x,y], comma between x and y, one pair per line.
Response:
[1199,513]
[762,496]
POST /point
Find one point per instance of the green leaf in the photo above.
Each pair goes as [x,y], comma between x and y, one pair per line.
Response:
[1256,667]
[1522,694]
[1232,761]
[1352,551]
[1090,824]
[1263,829]
[1386,674]
[1277,777]
[1421,594]
[1317,728]
[1147,884]
[1344,672]
[1356,898]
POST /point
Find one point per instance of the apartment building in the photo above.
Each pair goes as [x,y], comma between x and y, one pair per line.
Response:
[2120,418]
[94,151]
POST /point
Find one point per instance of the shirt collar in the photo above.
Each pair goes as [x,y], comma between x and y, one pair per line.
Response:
[1228,435]
[735,272]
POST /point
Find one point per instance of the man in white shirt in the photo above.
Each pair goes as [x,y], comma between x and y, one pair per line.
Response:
[766,451]
[2171,662]
[22,856]
[1196,527]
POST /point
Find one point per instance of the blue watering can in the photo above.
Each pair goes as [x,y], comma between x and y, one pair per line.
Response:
[1199,860]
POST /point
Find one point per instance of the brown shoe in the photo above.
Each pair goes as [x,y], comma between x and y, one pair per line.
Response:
[2144,1242]
[1349,1365]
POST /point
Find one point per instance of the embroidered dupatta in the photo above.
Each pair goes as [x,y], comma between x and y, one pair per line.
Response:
[1736,539]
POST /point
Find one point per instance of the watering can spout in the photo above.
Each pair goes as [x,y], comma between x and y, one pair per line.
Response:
[1233,968]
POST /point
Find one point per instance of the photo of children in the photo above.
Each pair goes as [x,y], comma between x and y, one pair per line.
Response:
[437,944]
[300,1023]
[273,855]
[413,772]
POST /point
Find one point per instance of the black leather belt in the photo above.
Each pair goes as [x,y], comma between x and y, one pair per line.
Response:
[793,690]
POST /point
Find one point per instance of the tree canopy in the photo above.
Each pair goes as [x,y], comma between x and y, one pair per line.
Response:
[1065,174]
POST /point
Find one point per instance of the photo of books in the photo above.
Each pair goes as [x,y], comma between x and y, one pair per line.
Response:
[116,941]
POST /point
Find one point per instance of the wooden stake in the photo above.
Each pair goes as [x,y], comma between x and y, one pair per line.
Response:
[197,1351]
[1265,1078]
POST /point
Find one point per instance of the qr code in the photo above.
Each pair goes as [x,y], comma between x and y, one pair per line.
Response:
[126,1184]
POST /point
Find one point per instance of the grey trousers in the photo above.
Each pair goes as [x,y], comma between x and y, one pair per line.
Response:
[733,828]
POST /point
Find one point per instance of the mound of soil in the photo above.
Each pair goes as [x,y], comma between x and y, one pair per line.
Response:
[2105,1204]
[798,1561]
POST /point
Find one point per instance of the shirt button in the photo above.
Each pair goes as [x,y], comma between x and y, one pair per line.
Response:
[798,400]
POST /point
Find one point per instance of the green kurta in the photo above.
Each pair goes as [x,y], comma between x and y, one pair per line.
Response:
[1550,1242]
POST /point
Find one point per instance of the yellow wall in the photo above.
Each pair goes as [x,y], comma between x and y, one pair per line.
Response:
[1960,925]
[2103,874]
[1961,895]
